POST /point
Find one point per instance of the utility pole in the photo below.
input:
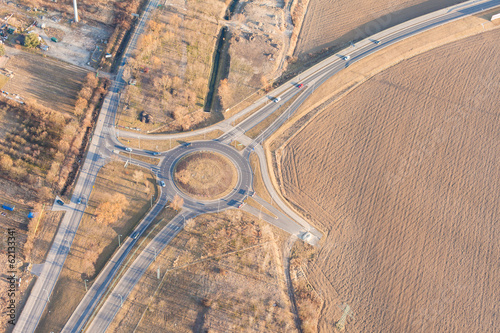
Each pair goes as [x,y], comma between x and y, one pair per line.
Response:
[158,273]
[121,300]
[154,248]
[76,10]
[119,244]
[85,284]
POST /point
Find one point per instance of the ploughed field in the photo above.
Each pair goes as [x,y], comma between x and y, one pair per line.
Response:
[335,23]
[403,176]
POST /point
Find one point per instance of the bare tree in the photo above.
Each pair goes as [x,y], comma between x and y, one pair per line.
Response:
[265,83]
[177,203]
[110,211]
[138,176]
[5,162]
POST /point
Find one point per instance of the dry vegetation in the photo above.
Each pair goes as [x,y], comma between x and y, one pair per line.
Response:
[52,83]
[147,159]
[222,274]
[309,303]
[172,66]
[257,41]
[40,146]
[164,145]
[405,185]
[120,199]
[318,32]
[205,175]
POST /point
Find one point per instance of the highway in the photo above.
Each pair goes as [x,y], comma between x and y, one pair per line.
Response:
[104,142]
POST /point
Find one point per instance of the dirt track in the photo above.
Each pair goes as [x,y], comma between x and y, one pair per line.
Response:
[333,23]
[403,176]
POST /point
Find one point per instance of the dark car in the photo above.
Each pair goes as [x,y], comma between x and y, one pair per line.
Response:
[59,201]
[79,201]
[134,235]
[155,153]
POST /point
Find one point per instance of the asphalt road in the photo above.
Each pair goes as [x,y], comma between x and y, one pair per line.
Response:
[296,225]
[104,141]
[95,159]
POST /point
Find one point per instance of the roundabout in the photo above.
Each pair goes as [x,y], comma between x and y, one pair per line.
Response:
[205,175]
[208,175]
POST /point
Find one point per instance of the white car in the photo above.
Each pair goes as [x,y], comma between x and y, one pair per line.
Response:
[347,57]
[128,149]
[277,99]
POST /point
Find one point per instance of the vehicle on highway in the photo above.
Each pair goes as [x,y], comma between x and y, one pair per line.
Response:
[300,85]
[376,41]
[277,99]
[79,201]
[347,57]
[134,235]
[162,183]
[128,149]
[59,201]
[175,227]
[155,153]
[186,144]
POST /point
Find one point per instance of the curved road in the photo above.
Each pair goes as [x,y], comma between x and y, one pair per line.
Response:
[312,80]
[104,141]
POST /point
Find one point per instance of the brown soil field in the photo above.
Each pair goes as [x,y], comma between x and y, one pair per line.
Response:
[205,175]
[50,82]
[331,23]
[222,273]
[402,175]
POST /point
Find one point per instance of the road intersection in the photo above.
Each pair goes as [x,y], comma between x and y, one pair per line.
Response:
[104,141]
